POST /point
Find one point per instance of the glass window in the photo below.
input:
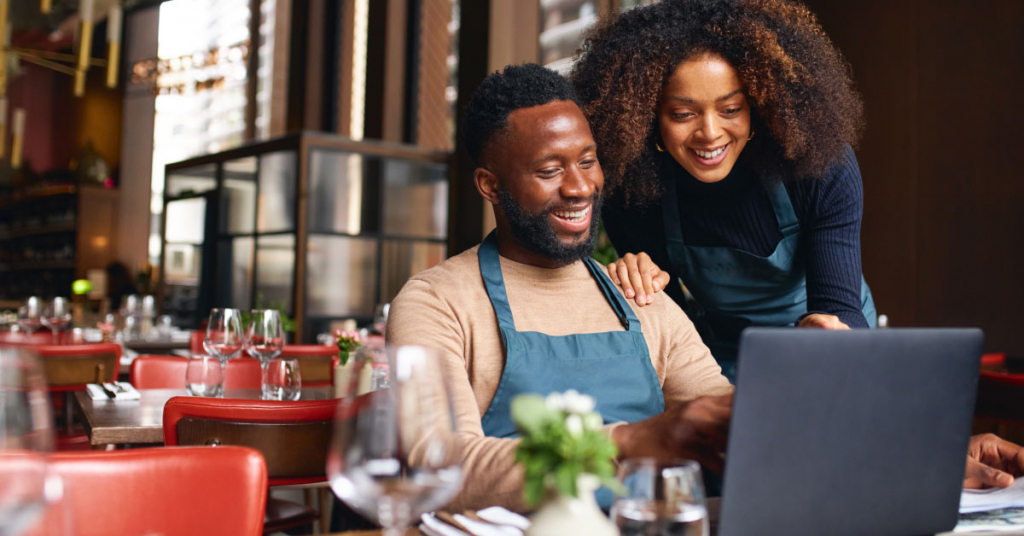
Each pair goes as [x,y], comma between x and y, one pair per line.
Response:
[275,272]
[238,201]
[276,210]
[186,220]
[234,272]
[191,181]
[341,278]
[415,199]
[336,192]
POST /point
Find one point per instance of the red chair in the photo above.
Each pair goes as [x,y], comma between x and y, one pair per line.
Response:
[316,362]
[195,342]
[293,437]
[168,372]
[171,491]
[69,368]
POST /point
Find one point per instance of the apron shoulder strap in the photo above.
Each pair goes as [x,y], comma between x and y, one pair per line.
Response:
[784,213]
[490,269]
[614,297]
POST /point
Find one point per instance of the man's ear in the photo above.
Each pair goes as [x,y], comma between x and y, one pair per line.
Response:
[487,184]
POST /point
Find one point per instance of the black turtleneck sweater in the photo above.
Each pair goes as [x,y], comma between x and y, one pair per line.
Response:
[736,212]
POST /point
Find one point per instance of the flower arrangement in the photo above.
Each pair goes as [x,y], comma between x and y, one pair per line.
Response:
[347,343]
[561,440]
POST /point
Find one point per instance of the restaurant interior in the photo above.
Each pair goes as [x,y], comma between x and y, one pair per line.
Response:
[239,189]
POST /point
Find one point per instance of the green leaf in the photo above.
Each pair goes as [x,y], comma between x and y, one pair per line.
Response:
[565,480]
[530,413]
[533,490]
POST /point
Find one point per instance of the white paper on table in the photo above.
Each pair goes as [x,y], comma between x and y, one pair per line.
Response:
[505,523]
[983,500]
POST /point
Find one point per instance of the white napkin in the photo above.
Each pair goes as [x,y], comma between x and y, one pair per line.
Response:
[506,523]
[124,391]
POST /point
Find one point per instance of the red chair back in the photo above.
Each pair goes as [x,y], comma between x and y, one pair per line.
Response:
[316,362]
[170,491]
[168,372]
[69,367]
[293,436]
[195,342]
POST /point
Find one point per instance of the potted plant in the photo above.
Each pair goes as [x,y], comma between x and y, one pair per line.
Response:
[565,457]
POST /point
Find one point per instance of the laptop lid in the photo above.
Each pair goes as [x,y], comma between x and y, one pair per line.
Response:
[849,432]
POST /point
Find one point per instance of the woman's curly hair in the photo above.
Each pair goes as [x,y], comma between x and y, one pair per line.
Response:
[799,86]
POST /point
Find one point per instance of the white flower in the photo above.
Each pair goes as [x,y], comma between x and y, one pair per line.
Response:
[574,424]
[555,402]
[577,403]
[592,421]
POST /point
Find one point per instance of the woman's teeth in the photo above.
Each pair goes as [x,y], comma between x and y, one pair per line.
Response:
[574,216]
[710,154]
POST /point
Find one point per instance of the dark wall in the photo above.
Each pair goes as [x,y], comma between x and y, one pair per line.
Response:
[942,154]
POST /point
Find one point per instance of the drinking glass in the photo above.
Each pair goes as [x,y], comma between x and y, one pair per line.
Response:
[282,380]
[661,499]
[265,340]
[204,376]
[224,335]
[380,317]
[56,316]
[26,438]
[30,314]
[395,452]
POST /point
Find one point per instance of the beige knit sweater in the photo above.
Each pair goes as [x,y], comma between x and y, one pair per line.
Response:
[447,308]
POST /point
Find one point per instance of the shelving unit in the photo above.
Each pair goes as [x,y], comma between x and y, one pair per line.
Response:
[51,235]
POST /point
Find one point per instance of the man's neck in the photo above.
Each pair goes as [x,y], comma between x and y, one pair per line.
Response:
[512,249]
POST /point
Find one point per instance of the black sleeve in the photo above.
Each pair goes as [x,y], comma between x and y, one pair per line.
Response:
[833,209]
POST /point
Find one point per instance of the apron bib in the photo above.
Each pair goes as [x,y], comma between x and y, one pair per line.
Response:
[613,367]
[734,289]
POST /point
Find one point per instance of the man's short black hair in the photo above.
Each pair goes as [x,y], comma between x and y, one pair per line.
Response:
[501,93]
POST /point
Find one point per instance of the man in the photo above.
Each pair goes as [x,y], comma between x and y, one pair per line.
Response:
[529,311]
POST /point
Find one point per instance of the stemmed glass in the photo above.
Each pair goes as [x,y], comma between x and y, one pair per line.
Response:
[395,452]
[26,438]
[30,314]
[660,498]
[56,315]
[224,335]
[265,341]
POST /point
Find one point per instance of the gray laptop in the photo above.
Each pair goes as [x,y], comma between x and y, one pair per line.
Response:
[855,432]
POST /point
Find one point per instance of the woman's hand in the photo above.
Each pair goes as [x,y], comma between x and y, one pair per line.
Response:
[639,277]
[992,462]
[818,320]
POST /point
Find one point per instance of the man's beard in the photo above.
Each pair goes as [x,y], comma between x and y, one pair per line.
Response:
[536,232]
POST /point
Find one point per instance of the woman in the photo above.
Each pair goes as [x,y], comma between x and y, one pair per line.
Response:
[724,129]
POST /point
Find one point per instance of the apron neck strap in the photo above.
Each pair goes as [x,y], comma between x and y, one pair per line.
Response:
[490,269]
[784,213]
[613,296]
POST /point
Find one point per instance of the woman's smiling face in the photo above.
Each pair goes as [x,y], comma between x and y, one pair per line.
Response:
[704,117]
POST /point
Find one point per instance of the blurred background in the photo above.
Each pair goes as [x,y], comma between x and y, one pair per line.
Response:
[303,155]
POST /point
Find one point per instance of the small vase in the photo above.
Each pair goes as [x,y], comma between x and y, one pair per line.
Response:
[561,515]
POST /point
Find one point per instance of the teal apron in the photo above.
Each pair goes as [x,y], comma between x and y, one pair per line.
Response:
[734,289]
[613,367]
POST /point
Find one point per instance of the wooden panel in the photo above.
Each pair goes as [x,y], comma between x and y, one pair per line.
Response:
[98,211]
[292,449]
[970,202]
[879,40]
[80,369]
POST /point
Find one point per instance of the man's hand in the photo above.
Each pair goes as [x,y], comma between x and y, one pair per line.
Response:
[696,430]
[818,320]
[992,462]
[639,277]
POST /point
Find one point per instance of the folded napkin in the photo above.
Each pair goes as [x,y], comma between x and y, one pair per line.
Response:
[123,390]
[498,522]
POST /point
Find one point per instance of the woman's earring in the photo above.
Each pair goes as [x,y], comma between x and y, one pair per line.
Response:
[658,147]
[751,135]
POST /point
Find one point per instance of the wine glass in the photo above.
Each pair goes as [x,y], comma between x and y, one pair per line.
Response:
[30,314]
[265,340]
[380,317]
[660,498]
[26,438]
[395,452]
[56,315]
[224,335]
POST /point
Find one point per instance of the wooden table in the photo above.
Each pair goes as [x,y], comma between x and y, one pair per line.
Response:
[156,346]
[122,422]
